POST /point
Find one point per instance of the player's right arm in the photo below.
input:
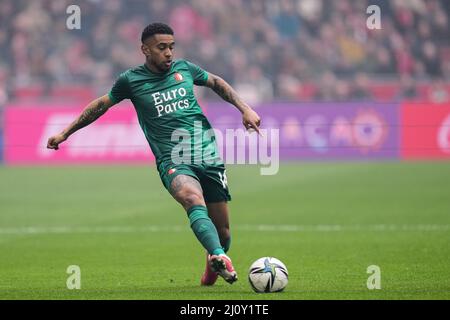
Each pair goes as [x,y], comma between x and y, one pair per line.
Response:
[92,112]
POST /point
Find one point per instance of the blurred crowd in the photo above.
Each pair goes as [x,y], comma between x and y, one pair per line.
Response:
[267,49]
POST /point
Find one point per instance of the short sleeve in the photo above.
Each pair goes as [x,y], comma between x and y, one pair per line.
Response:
[199,75]
[120,89]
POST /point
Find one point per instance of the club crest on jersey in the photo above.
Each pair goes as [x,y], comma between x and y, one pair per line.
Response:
[178,77]
[172,170]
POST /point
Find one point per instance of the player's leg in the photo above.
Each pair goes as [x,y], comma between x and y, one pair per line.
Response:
[215,191]
[218,212]
[183,183]
[188,192]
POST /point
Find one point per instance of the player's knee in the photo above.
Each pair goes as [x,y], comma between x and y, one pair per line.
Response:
[190,199]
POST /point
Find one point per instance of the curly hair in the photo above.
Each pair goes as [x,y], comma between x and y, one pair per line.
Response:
[155,28]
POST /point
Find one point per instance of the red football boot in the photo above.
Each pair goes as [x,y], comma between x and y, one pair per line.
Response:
[223,266]
[209,277]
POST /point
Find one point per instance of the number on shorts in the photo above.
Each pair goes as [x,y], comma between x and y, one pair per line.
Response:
[223,179]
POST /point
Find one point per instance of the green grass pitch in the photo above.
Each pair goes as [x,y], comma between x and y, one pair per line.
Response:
[326,221]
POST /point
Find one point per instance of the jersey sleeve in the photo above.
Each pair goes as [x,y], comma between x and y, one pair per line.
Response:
[199,75]
[120,89]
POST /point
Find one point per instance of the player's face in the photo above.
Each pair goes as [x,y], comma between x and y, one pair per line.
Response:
[159,51]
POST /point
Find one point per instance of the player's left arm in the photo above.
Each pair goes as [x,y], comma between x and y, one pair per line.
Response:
[250,118]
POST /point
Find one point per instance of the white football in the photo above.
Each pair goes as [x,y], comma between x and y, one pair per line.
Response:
[268,274]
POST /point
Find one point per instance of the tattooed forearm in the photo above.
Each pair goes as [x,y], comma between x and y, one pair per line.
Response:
[91,113]
[226,92]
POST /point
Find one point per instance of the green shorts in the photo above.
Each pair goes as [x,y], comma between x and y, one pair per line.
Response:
[212,178]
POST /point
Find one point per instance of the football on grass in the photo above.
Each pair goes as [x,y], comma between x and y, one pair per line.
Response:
[268,274]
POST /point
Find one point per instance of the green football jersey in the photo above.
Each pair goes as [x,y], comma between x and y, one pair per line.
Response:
[168,111]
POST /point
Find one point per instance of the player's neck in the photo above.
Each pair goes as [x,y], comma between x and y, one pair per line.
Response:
[152,68]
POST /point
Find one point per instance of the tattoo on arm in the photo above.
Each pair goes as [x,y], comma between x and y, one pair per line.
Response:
[91,113]
[226,92]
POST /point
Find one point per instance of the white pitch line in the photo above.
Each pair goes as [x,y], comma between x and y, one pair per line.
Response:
[245,227]
[337,228]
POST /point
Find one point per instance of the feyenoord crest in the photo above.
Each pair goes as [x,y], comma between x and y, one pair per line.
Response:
[178,76]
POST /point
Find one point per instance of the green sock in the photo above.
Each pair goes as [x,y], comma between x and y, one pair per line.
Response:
[227,244]
[204,229]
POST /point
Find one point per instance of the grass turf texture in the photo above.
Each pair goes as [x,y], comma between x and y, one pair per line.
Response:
[132,241]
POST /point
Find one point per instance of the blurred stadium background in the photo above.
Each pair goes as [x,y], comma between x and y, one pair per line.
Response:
[311,68]
[303,50]
[270,51]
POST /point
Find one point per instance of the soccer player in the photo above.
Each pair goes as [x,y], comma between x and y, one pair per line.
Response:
[161,91]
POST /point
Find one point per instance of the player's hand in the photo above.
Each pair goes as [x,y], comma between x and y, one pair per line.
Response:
[251,120]
[53,142]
